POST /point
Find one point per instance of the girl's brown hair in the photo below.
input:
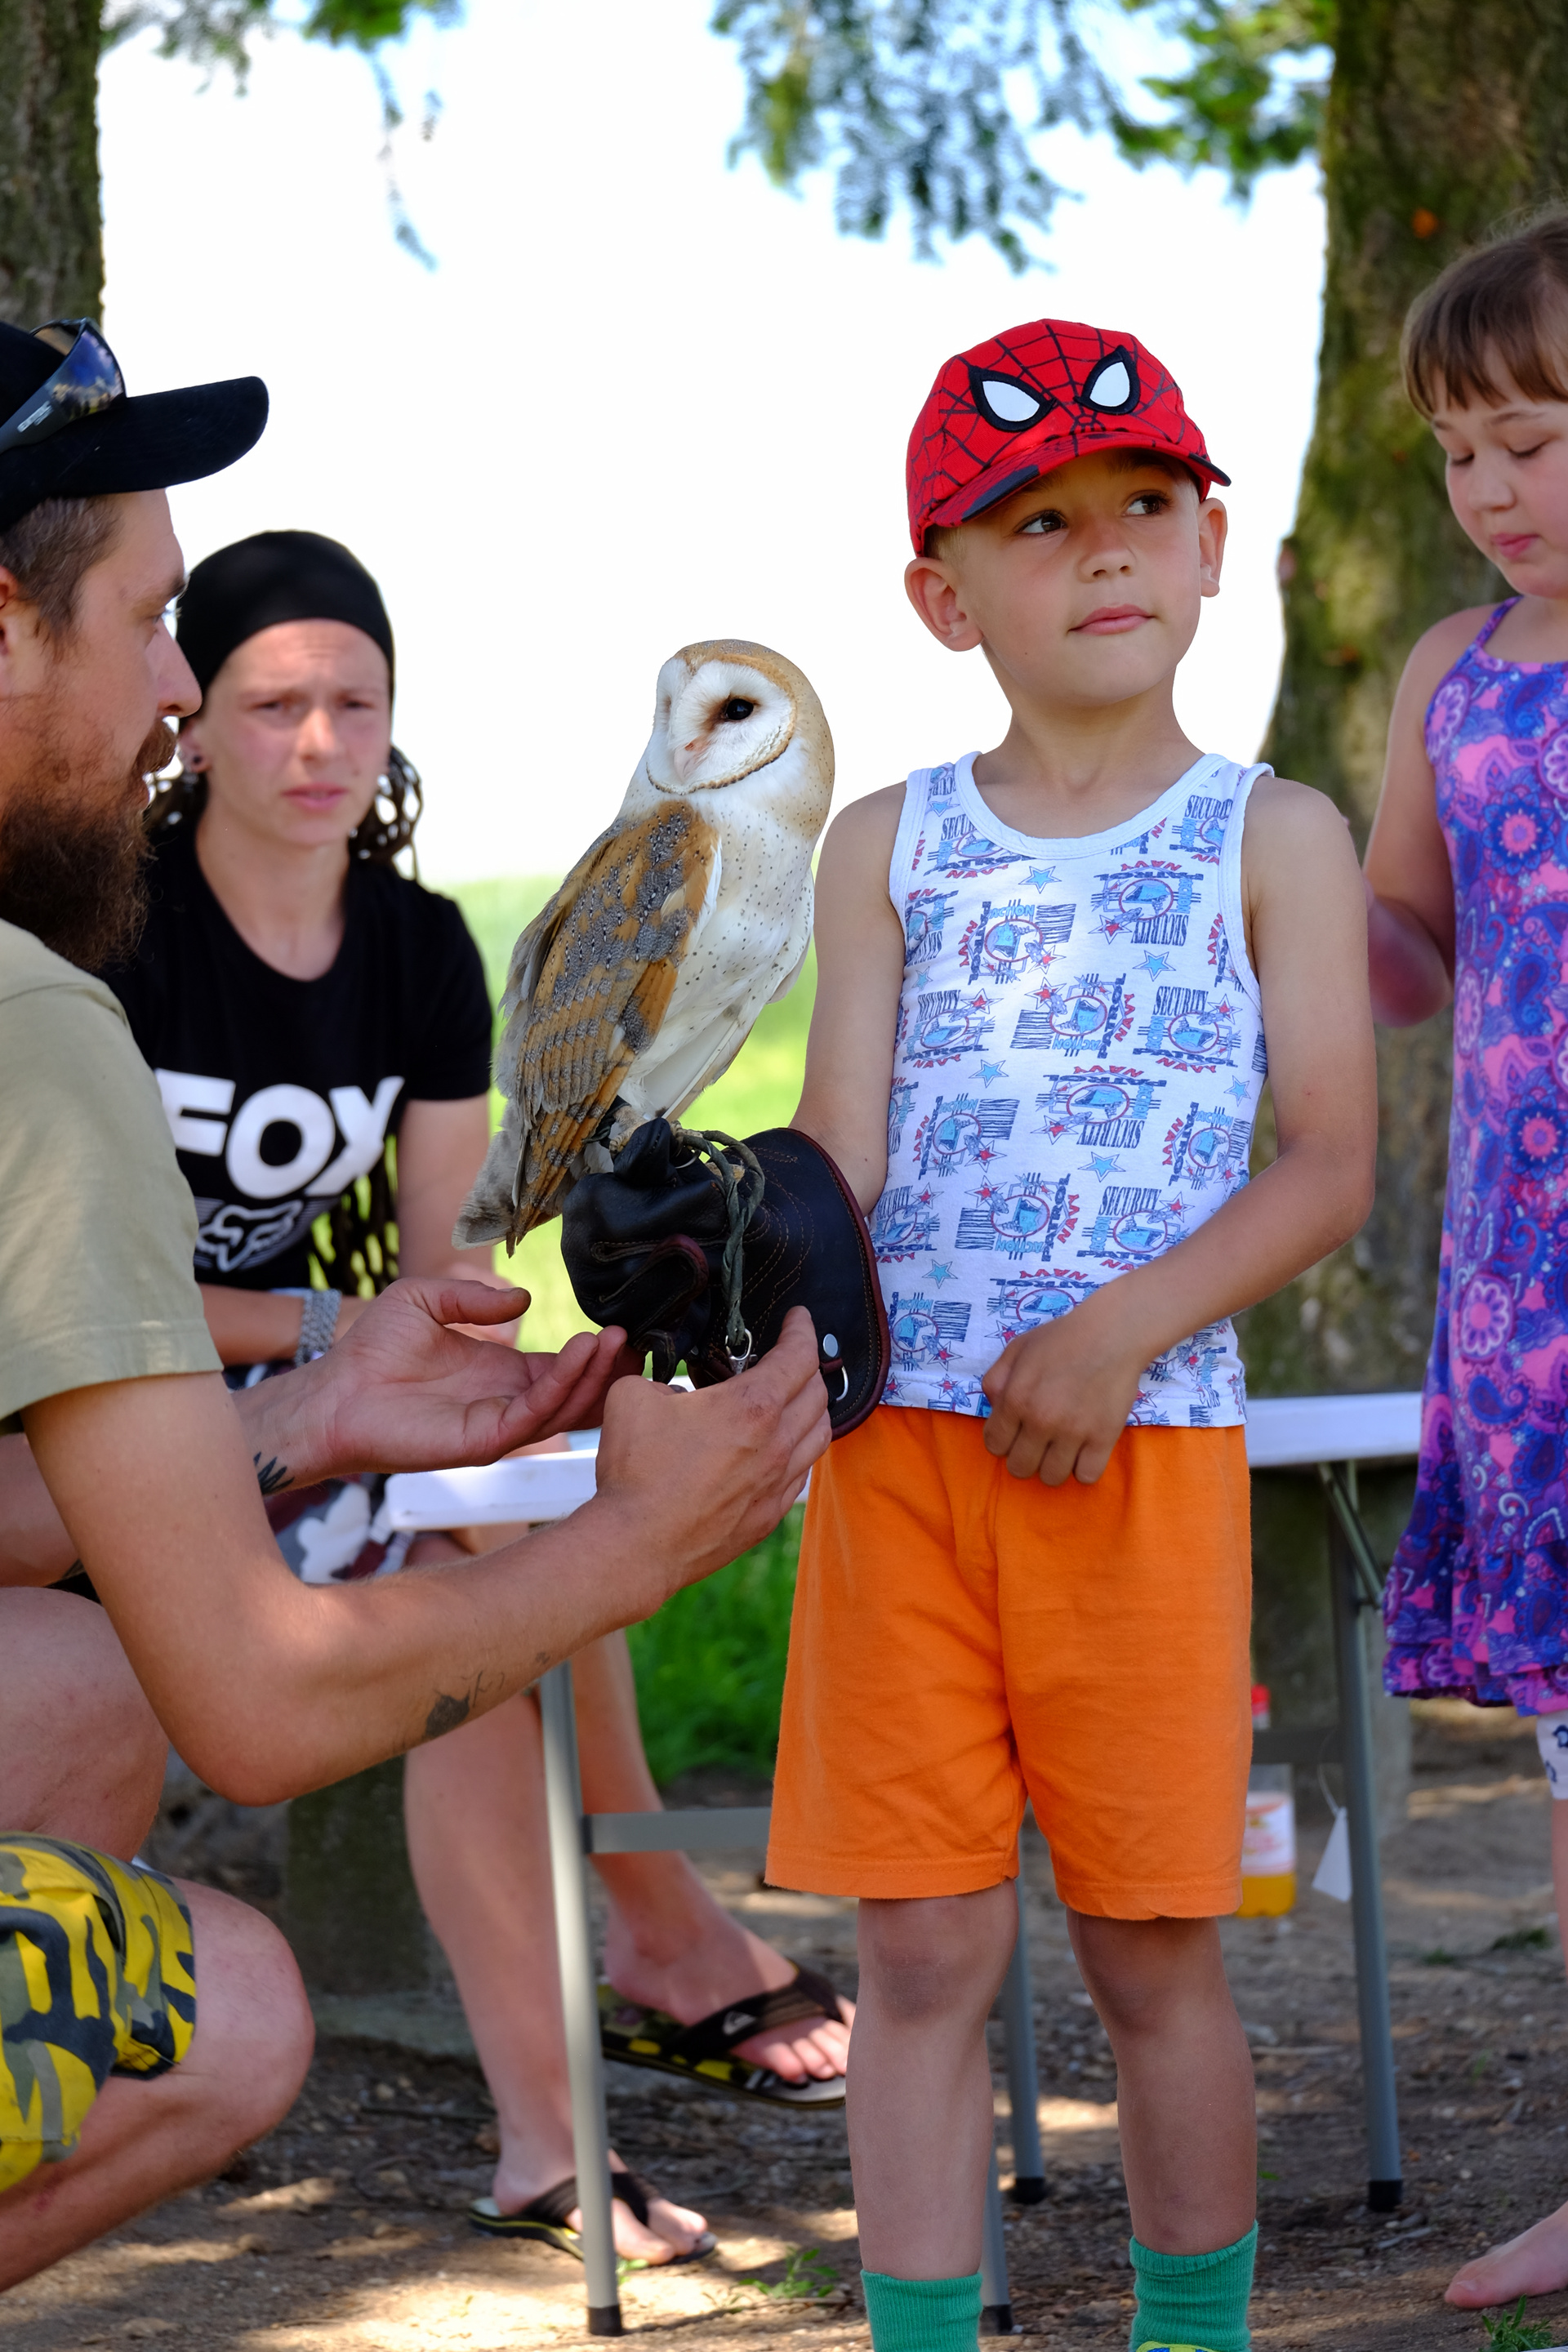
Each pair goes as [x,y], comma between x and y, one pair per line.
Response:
[1500,311]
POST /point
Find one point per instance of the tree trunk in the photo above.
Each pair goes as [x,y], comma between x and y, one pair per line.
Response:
[51,227]
[1443,116]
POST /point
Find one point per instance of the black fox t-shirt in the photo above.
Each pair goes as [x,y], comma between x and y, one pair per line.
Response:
[281,1092]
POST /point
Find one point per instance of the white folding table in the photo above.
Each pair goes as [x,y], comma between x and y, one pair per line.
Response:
[1329,1434]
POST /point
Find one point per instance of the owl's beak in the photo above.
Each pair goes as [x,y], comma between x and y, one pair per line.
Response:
[684,756]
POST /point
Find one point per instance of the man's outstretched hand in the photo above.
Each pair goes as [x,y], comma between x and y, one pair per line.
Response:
[697,1478]
[404,1390]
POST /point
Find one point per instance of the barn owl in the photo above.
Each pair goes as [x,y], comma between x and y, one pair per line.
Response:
[639,983]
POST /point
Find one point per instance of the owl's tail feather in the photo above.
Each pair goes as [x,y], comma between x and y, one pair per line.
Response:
[491,1212]
[529,1169]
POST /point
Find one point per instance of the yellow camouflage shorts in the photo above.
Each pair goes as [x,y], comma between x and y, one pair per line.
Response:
[96,1978]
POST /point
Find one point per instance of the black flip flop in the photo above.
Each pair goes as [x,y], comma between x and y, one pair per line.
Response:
[703,2052]
[545,2220]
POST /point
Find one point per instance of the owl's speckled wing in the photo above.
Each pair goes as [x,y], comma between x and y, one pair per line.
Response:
[590,981]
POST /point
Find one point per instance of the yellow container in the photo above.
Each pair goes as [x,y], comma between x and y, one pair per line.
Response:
[1269,1855]
[1268,1898]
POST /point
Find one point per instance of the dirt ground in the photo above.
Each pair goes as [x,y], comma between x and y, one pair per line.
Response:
[344,2231]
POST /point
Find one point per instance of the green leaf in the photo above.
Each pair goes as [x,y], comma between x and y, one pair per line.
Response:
[1236,110]
[1514,2333]
[809,2275]
[214,33]
[368,22]
[709,1665]
[932,106]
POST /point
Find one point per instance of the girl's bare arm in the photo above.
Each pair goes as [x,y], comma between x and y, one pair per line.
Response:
[439,1148]
[860,971]
[1409,885]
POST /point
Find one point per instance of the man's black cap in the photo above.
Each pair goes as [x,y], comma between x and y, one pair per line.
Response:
[147,443]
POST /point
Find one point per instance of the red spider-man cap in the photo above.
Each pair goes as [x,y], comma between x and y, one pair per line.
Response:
[1001,415]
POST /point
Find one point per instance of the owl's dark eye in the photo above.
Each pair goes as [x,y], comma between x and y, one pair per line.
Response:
[735,709]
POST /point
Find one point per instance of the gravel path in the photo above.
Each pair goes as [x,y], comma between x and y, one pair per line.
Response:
[344,2231]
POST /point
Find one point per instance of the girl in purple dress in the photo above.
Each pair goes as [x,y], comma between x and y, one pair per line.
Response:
[1466,876]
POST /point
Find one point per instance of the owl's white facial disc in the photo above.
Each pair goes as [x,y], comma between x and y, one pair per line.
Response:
[716,724]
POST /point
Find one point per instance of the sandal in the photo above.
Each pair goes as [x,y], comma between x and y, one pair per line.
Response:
[647,2037]
[546,2218]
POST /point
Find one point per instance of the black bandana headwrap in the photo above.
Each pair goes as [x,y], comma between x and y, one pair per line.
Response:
[277,575]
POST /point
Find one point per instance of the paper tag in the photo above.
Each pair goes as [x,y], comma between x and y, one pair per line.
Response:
[1334,1870]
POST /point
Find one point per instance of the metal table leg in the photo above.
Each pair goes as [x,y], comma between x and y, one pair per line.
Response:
[590,2134]
[996,2301]
[1023,2081]
[1356,1586]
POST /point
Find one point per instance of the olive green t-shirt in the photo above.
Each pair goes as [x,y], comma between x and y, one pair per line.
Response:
[98,1229]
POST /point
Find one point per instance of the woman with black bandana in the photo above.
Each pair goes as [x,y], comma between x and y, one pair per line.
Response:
[317,1020]
[305,1006]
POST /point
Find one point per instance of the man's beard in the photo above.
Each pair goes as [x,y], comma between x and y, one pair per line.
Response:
[73,851]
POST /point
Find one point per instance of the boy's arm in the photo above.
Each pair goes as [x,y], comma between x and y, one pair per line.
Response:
[860,971]
[1410,882]
[1061,1395]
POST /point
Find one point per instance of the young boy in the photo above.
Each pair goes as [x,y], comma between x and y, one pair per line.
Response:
[1046,977]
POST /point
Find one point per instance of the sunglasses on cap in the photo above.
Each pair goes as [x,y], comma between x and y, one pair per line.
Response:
[86,379]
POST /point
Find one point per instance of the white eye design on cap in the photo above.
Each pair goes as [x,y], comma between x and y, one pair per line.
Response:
[1111,385]
[1007,401]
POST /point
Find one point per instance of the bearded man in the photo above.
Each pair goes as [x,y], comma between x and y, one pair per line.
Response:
[147,2028]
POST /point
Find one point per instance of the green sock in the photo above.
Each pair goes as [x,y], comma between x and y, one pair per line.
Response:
[1195,2299]
[922,2315]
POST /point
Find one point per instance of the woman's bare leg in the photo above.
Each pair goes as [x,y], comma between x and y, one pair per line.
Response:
[668,1943]
[474,1804]
[474,1807]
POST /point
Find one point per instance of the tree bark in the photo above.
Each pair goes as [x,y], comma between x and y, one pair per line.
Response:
[1443,116]
[51,226]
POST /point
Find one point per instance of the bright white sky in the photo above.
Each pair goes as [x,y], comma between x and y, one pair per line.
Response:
[643,399]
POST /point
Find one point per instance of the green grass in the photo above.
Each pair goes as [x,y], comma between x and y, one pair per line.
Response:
[1513,2333]
[709,1666]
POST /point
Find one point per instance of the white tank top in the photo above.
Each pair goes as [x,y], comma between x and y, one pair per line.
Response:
[1078,1060]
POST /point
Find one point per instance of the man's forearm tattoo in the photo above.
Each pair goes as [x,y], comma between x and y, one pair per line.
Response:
[271,1475]
[446,1715]
[449,1712]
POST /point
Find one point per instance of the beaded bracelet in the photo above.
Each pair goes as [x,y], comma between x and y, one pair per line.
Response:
[318,1322]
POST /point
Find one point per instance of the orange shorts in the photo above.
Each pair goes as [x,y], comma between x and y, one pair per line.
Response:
[963,1640]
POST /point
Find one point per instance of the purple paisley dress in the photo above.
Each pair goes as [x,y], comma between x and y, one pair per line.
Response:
[1477,1596]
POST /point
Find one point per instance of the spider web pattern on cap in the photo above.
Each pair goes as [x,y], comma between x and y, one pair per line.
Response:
[1009,409]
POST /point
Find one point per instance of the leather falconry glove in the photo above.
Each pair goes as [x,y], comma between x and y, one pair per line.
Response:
[699,1245]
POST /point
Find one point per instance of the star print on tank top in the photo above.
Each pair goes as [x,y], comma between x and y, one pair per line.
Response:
[1078,1060]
